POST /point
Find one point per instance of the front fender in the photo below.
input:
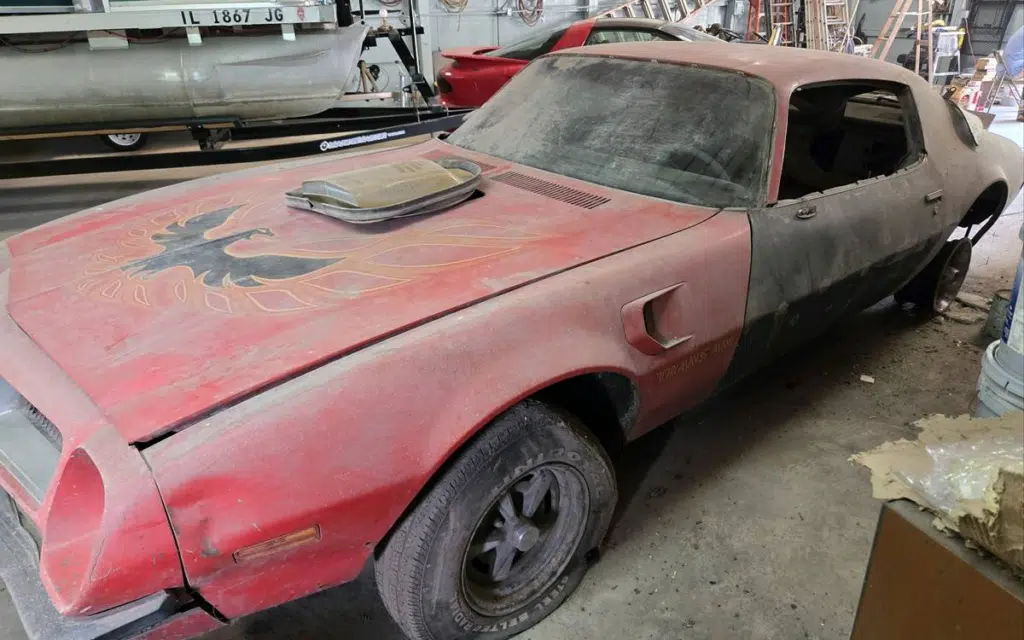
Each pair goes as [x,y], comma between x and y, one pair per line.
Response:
[347,447]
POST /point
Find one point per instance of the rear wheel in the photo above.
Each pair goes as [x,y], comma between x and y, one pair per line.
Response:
[935,288]
[505,535]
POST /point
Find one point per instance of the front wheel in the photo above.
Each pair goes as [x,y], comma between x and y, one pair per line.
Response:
[506,533]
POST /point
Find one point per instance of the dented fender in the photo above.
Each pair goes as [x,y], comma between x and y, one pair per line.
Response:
[346,448]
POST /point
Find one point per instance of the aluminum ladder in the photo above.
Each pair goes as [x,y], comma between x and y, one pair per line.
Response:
[671,10]
[783,23]
[827,23]
[1002,77]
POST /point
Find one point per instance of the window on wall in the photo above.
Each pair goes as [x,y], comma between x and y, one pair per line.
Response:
[842,133]
[608,36]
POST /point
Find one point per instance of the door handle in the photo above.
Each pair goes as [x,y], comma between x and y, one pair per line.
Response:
[803,213]
[934,196]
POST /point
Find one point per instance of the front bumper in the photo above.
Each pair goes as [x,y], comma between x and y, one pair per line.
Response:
[19,571]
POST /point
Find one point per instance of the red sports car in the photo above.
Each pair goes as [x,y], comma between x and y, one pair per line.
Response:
[228,394]
[476,73]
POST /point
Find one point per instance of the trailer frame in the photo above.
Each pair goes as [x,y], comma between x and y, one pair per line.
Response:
[431,122]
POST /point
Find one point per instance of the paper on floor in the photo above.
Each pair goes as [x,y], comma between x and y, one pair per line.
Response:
[968,471]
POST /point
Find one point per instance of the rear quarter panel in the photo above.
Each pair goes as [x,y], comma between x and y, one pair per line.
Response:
[349,446]
[966,171]
[575,35]
[473,84]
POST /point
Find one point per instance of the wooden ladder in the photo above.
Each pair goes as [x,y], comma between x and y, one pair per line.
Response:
[895,22]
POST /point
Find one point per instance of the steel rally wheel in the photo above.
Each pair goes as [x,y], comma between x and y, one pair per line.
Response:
[937,286]
[505,535]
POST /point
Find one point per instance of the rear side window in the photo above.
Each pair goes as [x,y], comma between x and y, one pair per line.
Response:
[967,126]
[689,34]
[844,132]
[529,48]
[607,36]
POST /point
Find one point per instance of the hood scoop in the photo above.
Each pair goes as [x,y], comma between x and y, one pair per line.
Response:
[384,192]
[437,156]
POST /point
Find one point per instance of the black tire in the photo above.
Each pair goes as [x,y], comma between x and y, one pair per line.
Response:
[436,588]
[125,141]
[935,288]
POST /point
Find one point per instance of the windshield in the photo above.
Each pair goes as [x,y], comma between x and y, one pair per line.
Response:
[683,133]
[689,34]
[538,43]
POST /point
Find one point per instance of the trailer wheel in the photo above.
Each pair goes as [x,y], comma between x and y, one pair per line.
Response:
[125,141]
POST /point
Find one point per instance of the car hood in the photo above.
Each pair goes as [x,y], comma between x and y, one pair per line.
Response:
[167,304]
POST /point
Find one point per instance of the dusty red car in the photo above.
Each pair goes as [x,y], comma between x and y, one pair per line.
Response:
[214,402]
[476,73]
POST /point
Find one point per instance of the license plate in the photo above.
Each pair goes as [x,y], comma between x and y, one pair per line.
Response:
[233,17]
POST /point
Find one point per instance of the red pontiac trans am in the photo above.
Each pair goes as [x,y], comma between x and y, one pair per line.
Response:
[476,73]
[214,400]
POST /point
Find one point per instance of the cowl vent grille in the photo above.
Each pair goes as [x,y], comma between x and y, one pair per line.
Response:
[43,424]
[551,190]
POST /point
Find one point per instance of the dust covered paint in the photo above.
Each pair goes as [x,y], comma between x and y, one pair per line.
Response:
[226,372]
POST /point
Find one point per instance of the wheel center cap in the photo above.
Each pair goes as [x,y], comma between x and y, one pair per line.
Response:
[524,536]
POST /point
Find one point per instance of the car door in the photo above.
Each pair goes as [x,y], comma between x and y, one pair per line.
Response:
[826,254]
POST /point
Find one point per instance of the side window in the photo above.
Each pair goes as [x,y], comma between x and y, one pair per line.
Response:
[610,35]
[841,133]
[966,125]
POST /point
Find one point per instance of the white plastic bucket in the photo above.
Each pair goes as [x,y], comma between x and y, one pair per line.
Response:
[1001,383]
[1013,327]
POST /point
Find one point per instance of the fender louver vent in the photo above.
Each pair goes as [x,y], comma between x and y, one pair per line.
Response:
[551,190]
[484,167]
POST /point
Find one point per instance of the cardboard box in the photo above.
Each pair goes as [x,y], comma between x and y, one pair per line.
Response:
[986,63]
[923,583]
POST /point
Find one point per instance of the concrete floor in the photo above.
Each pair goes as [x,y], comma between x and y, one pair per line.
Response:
[746,521]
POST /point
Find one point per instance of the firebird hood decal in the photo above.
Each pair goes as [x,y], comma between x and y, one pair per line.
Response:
[211,260]
[166,306]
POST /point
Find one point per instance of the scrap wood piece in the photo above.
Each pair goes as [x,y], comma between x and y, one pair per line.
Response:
[968,471]
[973,300]
[964,315]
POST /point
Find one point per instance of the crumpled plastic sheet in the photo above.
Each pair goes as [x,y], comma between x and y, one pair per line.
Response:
[962,471]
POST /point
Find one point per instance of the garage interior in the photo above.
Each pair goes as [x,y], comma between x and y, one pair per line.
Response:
[749,518]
